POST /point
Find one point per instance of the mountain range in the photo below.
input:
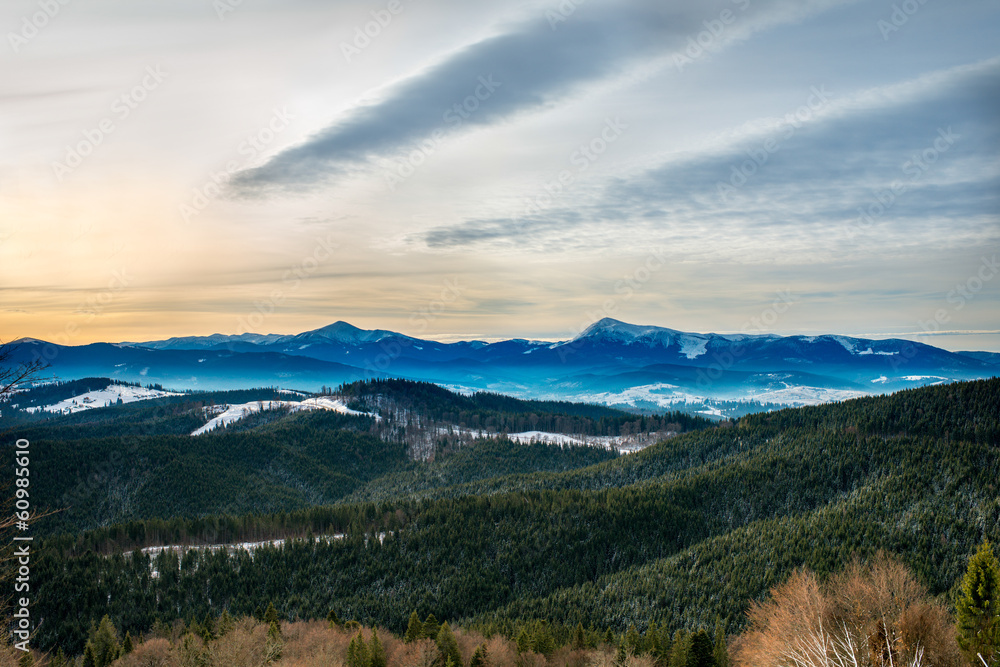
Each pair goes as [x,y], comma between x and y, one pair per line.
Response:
[610,362]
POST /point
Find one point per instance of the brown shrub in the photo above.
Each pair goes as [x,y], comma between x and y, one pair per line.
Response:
[501,651]
[156,652]
[421,653]
[244,646]
[869,615]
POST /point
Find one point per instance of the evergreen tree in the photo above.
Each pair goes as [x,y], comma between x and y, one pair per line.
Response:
[357,652]
[978,608]
[208,627]
[579,640]
[542,640]
[680,649]
[609,637]
[702,650]
[103,645]
[621,659]
[333,620]
[225,624]
[448,646]
[431,627]
[633,642]
[127,644]
[481,657]
[376,652]
[414,629]
[88,656]
[271,615]
[275,644]
[721,648]
[523,641]
[27,660]
[59,660]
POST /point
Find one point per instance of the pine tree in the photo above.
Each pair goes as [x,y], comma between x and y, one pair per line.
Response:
[978,608]
[481,658]
[333,620]
[102,647]
[208,628]
[579,640]
[680,649]
[523,641]
[376,652]
[275,644]
[431,627]
[702,650]
[448,646]
[721,649]
[621,659]
[357,652]
[609,637]
[59,660]
[271,615]
[225,624]
[542,640]
[127,644]
[633,642]
[414,629]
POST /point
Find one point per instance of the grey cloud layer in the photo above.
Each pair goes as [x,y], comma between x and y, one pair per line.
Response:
[534,64]
[812,176]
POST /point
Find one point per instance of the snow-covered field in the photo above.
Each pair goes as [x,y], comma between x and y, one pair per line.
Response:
[245,546]
[228,414]
[102,398]
[801,396]
[622,444]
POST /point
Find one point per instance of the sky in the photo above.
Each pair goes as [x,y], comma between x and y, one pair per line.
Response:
[457,170]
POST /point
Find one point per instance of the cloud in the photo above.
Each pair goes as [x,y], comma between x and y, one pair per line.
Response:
[799,181]
[526,67]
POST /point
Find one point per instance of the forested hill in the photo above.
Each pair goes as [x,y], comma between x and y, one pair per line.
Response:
[687,530]
[500,413]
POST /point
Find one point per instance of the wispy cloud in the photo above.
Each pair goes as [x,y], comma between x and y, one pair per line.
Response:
[802,181]
[525,67]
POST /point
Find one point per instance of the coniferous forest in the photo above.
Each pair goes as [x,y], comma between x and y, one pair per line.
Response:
[320,538]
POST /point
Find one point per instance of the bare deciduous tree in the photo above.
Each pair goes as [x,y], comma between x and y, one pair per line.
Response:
[870,615]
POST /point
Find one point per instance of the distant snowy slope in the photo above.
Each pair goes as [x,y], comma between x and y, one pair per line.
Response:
[229,414]
[103,397]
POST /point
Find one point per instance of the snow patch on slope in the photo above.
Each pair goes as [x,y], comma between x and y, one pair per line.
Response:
[102,398]
[693,348]
[228,414]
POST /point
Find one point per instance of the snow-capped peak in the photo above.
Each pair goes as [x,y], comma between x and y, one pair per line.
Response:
[344,332]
